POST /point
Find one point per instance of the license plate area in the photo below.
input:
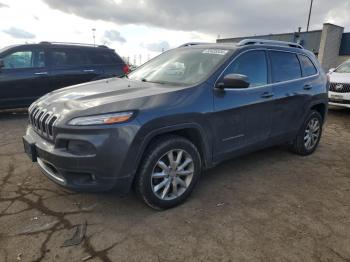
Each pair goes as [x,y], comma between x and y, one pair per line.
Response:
[30,150]
[337,97]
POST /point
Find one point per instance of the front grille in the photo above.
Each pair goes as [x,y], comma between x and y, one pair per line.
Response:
[42,121]
[340,88]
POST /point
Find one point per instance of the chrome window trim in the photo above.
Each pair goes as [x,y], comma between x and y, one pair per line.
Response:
[270,84]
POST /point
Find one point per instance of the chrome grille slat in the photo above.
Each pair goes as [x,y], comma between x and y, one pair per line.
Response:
[42,121]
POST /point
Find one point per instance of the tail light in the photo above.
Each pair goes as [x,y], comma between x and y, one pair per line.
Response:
[126,69]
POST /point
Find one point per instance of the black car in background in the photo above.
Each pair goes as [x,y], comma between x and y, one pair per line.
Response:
[29,71]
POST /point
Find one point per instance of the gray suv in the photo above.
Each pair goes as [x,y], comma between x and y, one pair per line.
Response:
[184,111]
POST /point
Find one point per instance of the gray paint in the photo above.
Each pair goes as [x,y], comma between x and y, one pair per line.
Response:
[255,120]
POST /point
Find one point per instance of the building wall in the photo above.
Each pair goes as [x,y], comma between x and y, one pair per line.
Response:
[330,45]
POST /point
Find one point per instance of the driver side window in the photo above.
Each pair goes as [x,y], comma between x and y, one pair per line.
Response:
[25,59]
[253,64]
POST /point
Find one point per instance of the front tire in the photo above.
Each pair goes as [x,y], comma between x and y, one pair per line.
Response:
[309,135]
[169,171]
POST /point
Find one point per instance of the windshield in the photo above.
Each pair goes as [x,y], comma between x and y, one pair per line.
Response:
[344,68]
[183,66]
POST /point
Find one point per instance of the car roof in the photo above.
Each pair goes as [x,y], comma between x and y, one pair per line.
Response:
[237,46]
[62,45]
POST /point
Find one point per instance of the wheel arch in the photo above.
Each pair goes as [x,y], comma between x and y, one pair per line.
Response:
[320,108]
[190,131]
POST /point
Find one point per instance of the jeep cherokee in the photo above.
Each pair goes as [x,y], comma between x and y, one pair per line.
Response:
[184,111]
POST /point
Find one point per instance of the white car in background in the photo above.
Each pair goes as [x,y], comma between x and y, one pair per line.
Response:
[339,91]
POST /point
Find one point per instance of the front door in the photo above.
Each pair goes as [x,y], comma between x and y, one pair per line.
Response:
[24,77]
[242,117]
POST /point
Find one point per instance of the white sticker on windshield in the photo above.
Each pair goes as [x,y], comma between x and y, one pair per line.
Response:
[215,51]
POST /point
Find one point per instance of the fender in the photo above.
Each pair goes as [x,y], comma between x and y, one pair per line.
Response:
[205,144]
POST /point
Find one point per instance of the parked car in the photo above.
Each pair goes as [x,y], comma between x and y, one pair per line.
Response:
[157,130]
[29,71]
[339,92]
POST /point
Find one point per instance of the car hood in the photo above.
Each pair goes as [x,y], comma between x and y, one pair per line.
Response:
[340,77]
[108,95]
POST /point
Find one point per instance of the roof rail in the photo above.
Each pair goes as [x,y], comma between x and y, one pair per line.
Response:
[192,44]
[269,42]
[70,43]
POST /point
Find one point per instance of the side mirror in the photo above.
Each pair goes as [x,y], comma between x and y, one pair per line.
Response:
[233,81]
[2,63]
[331,70]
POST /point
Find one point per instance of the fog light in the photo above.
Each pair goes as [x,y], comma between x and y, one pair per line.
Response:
[79,147]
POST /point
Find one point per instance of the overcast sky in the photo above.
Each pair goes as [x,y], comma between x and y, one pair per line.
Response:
[147,27]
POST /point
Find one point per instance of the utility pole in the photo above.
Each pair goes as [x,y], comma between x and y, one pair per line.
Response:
[93,35]
[308,20]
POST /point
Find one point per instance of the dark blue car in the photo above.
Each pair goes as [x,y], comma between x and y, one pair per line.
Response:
[30,71]
[184,111]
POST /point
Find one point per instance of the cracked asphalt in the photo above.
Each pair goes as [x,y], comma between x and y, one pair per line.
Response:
[267,206]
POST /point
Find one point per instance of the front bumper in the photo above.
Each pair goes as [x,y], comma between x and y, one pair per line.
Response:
[105,168]
[339,99]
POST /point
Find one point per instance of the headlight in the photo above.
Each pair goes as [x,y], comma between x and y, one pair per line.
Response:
[105,119]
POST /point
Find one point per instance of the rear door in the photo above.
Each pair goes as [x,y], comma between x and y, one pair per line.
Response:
[243,116]
[288,89]
[106,62]
[25,76]
[70,66]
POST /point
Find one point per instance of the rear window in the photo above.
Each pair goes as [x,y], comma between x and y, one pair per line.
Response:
[68,57]
[308,67]
[285,66]
[104,57]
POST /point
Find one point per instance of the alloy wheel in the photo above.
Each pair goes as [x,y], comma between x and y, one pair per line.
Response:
[312,133]
[172,174]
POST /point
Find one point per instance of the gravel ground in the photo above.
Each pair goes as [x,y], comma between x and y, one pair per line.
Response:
[267,206]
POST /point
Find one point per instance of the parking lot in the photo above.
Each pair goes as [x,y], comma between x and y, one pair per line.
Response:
[268,206]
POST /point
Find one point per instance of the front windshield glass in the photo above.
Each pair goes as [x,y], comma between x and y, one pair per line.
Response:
[344,68]
[182,66]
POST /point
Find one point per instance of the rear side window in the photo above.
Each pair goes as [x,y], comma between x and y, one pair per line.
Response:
[252,64]
[308,67]
[104,58]
[284,66]
[67,57]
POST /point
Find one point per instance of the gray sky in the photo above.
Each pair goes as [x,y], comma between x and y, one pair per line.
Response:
[148,26]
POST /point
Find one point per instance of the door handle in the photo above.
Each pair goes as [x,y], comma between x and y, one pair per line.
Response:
[307,87]
[40,73]
[267,95]
[88,70]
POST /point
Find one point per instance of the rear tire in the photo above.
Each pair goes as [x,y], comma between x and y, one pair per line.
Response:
[170,168]
[309,135]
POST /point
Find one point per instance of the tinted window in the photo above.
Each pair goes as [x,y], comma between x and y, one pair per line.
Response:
[62,57]
[25,59]
[252,64]
[284,66]
[307,66]
[103,57]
